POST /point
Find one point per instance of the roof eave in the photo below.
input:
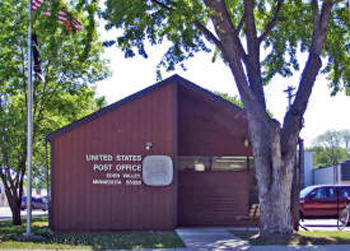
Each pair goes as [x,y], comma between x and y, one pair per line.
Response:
[175,79]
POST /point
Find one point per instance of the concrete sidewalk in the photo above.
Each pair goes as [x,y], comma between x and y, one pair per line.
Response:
[221,239]
[218,238]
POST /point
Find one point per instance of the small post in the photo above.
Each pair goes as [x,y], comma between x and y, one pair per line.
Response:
[47,169]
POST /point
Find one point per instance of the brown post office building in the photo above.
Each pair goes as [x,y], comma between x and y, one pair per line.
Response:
[173,154]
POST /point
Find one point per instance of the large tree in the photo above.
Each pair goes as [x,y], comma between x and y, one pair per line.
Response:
[71,64]
[240,30]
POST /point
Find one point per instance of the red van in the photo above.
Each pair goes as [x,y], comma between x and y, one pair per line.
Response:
[323,201]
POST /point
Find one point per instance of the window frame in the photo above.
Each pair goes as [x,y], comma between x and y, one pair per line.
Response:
[210,165]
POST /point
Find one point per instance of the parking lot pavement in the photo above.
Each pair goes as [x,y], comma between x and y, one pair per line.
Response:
[5,213]
[322,224]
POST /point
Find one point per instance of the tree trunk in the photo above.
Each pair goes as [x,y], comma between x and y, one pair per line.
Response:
[274,173]
[15,206]
[16,215]
[14,200]
[275,205]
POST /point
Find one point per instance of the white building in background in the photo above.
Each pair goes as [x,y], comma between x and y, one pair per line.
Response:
[339,174]
[327,175]
[307,173]
[3,199]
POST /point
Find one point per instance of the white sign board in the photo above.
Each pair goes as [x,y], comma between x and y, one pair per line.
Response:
[157,170]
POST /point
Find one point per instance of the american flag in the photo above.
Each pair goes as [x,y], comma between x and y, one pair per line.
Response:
[68,20]
[62,16]
[36,4]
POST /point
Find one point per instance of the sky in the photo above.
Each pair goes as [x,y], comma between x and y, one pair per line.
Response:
[134,74]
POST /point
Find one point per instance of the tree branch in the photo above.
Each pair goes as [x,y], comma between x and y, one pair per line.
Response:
[240,24]
[224,27]
[5,170]
[228,17]
[162,5]
[325,16]
[293,119]
[338,1]
[21,178]
[10,179]
[320,25]
[250,27]
[232,48]
[235,32]
[272,23]
[209,35]
[253,65]
[8,191]
[316,14]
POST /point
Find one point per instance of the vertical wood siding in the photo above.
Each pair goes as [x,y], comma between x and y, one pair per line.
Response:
[213,198]
[178,121]
[209,128]
[78,205]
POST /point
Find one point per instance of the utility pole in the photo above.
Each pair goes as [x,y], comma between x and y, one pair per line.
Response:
[289,91]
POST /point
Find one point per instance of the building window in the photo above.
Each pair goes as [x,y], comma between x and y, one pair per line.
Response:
[194,163]
[215,163]
[230,163]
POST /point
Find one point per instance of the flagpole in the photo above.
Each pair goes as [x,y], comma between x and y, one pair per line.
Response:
[29,120]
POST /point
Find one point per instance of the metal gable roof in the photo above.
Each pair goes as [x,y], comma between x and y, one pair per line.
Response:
[175,79]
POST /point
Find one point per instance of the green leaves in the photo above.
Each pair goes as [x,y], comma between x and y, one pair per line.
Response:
[154,21]
[338,50]
[71,65]
[175,20]
[233,99]
[331,147]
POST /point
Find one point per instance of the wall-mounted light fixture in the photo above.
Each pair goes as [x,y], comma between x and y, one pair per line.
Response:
[246,142]
[148,146]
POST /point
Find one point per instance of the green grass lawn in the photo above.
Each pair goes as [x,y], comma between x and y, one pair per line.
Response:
[300,238]
[115,240]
